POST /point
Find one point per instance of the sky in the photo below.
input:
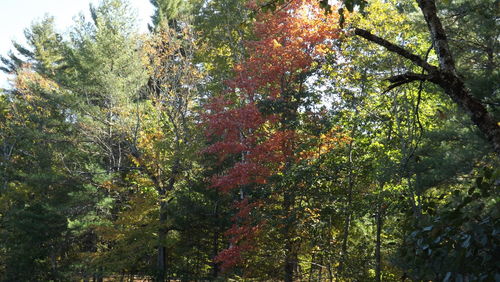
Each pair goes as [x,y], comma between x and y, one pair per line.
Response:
[17,15]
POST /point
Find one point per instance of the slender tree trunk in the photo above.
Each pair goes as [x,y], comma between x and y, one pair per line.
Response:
[215,242]
[348,212]
[289,263]
[53,262]
[290,259]
[345,236]
[320,275]
[162,235]
[7,153]
[161,262]
[92,247]
[290,256]
[378,258]
[161,256]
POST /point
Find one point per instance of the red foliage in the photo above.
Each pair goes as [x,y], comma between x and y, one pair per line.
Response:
[241,236]
[289,41]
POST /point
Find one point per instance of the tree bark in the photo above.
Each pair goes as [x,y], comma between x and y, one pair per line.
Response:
[348,212]
[345,236]
[378,258]
[451,82]
[215,242]
[290,256]
[161,262]
[288,232]
[162,235]
[162,188]
[438,35]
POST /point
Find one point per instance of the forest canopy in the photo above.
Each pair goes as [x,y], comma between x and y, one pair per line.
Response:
[254,140]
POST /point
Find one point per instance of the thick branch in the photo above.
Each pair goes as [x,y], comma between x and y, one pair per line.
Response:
[405,78]
[409,77]
[395,49]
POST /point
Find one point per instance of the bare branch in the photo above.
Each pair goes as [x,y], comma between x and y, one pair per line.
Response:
[409,77]
[405,78]
[395,49]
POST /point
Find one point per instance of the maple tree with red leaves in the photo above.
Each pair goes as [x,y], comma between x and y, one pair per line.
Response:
[260,125]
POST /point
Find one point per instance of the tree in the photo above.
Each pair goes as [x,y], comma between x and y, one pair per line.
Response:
[262,125]
[36,198]
[88,87]
[165,150]
[445,75]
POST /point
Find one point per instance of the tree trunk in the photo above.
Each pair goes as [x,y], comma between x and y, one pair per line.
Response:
[215,242]
[162,235]
[378,259]
[53,263]
[290,260]
[289,263]
[290,256]
[451,82]
[345,236]
[348,212]
[320,274]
